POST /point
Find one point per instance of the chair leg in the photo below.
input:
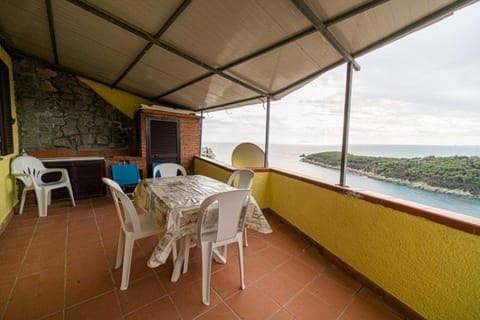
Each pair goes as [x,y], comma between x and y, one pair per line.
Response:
[186,253]
[240,261]
[245,240]
[49,197]
[120,246]
[127,261]
[41,201]
[22,201]
[207,251]
[71,195]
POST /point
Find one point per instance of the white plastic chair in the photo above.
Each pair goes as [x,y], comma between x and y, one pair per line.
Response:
[30,170]
[133,227]
[168,170]
[245,178]
[245,181]
[222,229]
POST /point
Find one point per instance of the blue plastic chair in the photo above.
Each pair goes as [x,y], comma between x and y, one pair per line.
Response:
[126,175]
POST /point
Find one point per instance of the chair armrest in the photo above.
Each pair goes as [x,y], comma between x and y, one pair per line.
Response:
[63,171]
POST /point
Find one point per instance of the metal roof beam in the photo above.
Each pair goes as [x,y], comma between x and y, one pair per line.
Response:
[51,27]
[297,36]
[162,30]
[243,59]
[320,26]
[353,12]
[180,87]
[99,12]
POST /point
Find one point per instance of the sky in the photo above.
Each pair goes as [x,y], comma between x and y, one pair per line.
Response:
[423,89]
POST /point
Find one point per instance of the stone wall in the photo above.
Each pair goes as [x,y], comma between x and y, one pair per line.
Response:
[57,111]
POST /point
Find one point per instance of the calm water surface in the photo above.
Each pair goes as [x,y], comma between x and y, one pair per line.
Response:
[288,157]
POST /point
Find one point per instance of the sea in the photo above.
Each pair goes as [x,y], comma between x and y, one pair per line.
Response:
[287,157]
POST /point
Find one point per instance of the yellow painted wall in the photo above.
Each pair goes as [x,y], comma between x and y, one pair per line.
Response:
[123,101]
[432,268]
[8,197]
[126,102]
[260,181]
[207,169]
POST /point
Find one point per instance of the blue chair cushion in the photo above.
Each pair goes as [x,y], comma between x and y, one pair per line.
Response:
[125,174]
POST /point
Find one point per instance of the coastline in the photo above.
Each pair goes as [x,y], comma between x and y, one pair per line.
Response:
[420,185]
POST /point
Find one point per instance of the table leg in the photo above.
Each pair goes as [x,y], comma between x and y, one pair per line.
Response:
[177,268]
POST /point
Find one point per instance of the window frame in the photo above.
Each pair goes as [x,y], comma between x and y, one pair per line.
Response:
[6,120]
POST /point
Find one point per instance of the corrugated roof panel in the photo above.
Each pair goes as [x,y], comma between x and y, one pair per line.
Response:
[25,26]
[275,70]
[319,50]
[209,92]
[159,71]
[219,31]
[364,29]
[92,45]
[149,15]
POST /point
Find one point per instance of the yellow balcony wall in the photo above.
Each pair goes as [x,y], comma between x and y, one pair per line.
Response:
[432,268]
[222,173]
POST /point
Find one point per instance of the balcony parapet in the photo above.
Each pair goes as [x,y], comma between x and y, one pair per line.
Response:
[448,218]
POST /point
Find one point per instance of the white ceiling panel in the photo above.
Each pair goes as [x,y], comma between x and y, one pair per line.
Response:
[364,29]
[92,45]
[275,70]
[24,24]
[220,31]
[148,15]
[209,92]
[159,71]
[328,9]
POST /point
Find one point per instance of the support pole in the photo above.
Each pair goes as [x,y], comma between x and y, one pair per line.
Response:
[346,123]
[267,133]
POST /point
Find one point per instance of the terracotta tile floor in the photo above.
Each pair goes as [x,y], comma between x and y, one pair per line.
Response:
[61,267]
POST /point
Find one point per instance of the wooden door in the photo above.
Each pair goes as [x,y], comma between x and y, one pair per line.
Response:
[163,143]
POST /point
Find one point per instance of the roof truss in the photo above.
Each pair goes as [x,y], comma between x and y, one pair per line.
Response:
[321,32]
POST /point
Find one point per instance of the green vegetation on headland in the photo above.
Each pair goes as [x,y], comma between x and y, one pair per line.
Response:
[207,152]
[457,174]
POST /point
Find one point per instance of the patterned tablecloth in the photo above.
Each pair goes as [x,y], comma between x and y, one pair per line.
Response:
[174,202]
